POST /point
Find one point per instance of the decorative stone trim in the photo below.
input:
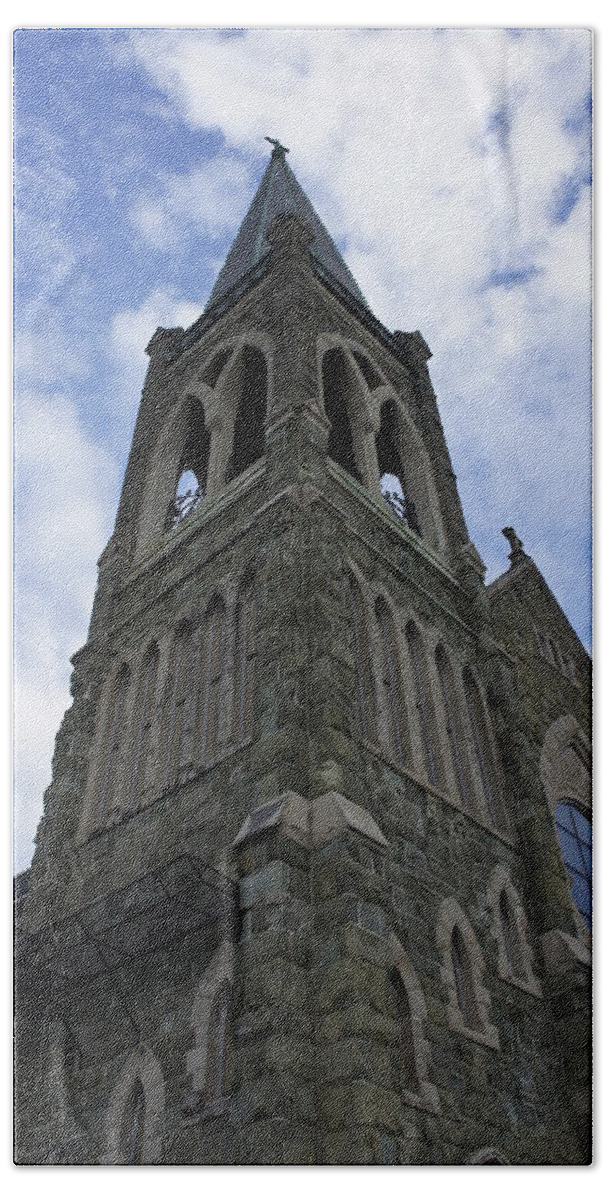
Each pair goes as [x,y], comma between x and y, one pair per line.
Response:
[220,970]
[143,1066]
[450,915]
[427,1096]
[501,882]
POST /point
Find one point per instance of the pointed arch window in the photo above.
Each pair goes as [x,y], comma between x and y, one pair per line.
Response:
[193,466]
[133,1126]
[212,677]
[453,727]
[406,1071]
[464,981]
[114,741]
[365,687]
[481,742]
[336,388]
[575,835]
[249,442]
[244,654]
[219,1044]
[144,716]
[424,705]
[394,711]
[182,702]
[393,484]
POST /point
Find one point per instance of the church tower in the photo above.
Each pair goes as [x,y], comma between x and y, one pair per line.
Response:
[299,893]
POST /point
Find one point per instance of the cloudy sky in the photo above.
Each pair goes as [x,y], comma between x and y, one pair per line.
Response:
[452,168]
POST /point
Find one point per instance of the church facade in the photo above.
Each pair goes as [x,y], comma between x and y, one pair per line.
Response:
[312,883]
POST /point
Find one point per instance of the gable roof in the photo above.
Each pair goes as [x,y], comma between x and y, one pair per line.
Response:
[279,192]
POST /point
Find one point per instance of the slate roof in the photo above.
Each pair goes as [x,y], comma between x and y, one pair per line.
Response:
[279,192]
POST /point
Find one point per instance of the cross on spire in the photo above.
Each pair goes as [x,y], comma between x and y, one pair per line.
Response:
[277,147]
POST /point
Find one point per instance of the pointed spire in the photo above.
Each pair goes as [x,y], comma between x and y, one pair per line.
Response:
[279,192]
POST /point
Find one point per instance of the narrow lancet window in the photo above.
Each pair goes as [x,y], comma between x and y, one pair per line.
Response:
[336,387]
[144,716]
[406,1072]
[424,704]
[574,834]
[453,727]
[481,742]
[219,1044]
[249,432]
[360,646]
[114,741]
[394,713]
[393,485]
[244,653]
[133,1126]
[213,666]
[182,703]
[463,981]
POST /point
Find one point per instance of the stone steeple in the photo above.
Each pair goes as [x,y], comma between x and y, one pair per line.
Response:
[279,193]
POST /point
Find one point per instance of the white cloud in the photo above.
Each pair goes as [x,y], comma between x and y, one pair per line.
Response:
[65,486]
[210,200]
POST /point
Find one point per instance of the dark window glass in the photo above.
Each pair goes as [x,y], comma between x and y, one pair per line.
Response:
[574,835]
[510,937]
[114,738]
[144,718]
[463,979]
[406,1073]
[213,667]
[182,703]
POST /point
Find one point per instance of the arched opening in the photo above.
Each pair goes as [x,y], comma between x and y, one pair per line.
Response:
[114,741]
[193,466]
[453,727]
[393,485]
[133,1126]
[244,653]
[144,715]
[464,981]
[574,834]
[219,1044]
[425,707]
[483,749]
[249,440]
[212,675]
[405,1069]
[337,387]
[394,709]
[182,703]
[365,684]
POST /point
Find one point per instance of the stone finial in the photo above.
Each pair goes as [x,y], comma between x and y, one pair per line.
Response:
[277,148]
[413,343]
[517,549]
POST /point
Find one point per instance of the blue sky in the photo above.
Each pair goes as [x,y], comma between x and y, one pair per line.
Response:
[452,167]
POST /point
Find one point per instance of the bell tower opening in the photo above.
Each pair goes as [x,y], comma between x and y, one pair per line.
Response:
[193,467]
[393,484]
[249,440]
[335,396]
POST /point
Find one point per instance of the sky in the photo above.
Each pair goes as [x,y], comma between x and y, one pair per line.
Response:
[452,168]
